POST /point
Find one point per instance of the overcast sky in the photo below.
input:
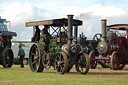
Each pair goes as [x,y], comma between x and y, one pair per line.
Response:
[89,11]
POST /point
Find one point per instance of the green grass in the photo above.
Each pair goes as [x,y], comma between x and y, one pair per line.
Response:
[99,76]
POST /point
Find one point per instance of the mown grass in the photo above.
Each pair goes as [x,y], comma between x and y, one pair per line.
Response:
[99,76]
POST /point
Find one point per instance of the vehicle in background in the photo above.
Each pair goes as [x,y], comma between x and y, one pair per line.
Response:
[26,45]
[6,53]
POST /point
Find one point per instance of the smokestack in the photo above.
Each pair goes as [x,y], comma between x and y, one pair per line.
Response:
[103,23]
[70,24]
[75,33]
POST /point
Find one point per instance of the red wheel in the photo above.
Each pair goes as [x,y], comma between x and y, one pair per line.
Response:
[93,62]
[114,60]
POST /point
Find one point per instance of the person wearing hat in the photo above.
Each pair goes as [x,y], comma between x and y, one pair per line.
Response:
[46,36]
[8,42]
[21,53]
[45,31]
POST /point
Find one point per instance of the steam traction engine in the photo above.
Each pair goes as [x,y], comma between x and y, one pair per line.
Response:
[112,50]
[6,53]
[59,49]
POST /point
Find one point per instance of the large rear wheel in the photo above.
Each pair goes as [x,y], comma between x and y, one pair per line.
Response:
[61,63]
[7,57]
[82,65]
[35,58]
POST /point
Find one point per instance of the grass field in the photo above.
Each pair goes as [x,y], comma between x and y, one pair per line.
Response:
[98,76]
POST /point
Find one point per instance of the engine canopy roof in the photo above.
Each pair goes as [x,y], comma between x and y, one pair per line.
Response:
[54,22]
[118,26]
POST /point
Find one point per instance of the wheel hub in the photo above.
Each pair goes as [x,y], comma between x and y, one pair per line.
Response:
[59,62]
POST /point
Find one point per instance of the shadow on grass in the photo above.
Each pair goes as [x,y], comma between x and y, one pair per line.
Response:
[108,73]
[99,73]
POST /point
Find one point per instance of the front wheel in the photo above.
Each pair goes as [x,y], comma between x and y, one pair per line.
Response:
[61,63]
[82,65]
[7,58]
[92,60]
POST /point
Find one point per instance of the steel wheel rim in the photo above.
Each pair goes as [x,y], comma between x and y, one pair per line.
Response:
[8,57]
[34,58]
[61,63]
[83,64]
[115,61]
[93,60]
[46,60]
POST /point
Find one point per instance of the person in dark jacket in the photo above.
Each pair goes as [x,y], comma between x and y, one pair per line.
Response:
[46,35]
[21,53]
[8,42]
[45,31]
[37,34]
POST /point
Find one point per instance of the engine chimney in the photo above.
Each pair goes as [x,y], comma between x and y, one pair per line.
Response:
[75,33]
[70,24]
[103,22]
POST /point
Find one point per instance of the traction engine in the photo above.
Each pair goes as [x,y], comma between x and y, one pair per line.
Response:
[112,49]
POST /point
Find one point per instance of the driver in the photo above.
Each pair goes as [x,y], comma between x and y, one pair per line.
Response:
[45,31]
[46,35]
[37,33]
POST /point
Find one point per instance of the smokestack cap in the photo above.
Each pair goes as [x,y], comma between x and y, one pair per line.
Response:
[70,15]
[103,20]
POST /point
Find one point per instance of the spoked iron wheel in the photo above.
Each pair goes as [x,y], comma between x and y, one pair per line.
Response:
[35,60]
[114,60]
[82,65]
[61,63]
[7,57]
[46,60]
[92,60]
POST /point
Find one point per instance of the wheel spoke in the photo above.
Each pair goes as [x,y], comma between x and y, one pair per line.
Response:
[61,68]
[61,62]
[34,54]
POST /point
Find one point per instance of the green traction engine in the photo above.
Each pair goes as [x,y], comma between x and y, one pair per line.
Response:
[60,49]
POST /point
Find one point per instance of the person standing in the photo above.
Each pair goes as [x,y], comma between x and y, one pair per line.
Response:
[21,53]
